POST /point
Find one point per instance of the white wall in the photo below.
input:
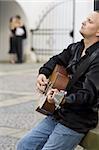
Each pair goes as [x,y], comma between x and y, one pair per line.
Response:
[7,10]
[31,11]
[34,9]
[82,9]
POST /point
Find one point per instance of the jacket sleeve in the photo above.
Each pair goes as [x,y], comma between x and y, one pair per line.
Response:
[61,59]
[88,94]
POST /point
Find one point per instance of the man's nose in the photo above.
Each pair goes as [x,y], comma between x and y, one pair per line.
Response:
[84,23]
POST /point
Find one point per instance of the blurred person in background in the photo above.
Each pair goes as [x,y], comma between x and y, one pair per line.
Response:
[12,43]
[20,34]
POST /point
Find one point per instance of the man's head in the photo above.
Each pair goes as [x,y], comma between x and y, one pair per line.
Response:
[90,27]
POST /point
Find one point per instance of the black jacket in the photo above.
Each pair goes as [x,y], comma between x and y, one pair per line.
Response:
[79,112]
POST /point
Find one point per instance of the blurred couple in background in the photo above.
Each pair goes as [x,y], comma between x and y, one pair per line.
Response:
[17,35]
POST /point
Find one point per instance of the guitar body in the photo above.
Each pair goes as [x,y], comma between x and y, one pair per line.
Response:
[58,79]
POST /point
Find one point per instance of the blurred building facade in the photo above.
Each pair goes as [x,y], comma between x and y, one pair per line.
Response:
[51,25]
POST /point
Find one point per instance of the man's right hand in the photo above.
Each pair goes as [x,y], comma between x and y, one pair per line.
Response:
[42,81]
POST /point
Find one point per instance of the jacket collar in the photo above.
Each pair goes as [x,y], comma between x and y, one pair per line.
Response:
[90,49]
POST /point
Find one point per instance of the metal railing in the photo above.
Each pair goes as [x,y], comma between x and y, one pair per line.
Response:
[54,31]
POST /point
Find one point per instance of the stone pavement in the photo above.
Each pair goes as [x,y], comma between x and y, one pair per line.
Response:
[18,100]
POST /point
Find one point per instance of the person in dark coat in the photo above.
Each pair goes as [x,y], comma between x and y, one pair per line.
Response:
[12,40]
[20,34]
[78,113]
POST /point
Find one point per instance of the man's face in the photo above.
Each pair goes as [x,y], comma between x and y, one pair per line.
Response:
[90,27]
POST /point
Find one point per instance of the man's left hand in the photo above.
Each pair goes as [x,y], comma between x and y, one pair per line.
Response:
[50,95]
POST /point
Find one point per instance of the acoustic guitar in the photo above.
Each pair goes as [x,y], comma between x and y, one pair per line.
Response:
[58,79]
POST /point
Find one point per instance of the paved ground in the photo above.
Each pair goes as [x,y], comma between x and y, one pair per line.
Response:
[18,100]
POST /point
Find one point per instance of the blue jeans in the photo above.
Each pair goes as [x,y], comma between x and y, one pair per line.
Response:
[50,135]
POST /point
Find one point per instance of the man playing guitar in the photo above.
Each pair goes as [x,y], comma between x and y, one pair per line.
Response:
[65,128]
